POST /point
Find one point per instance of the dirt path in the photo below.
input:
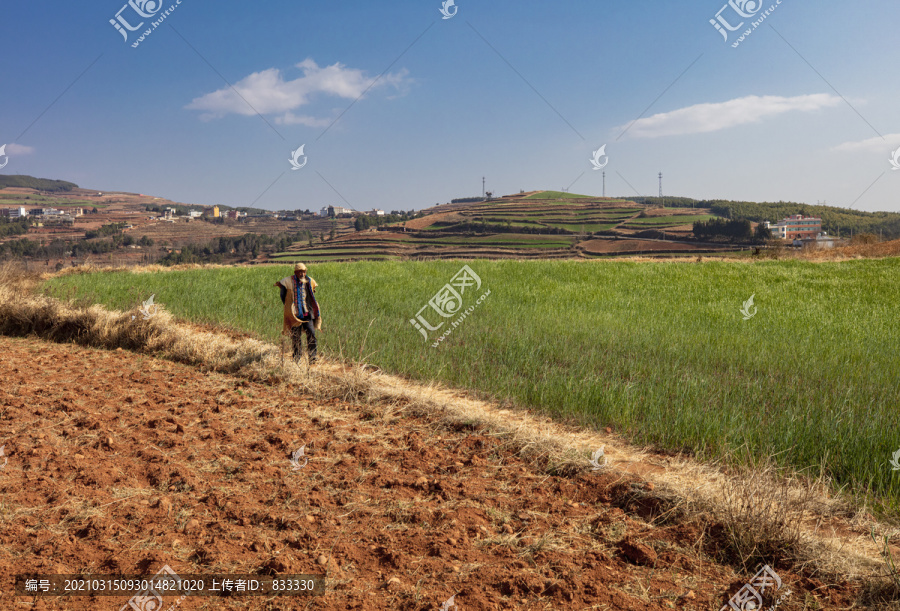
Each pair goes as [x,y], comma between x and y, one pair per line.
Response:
[120,463]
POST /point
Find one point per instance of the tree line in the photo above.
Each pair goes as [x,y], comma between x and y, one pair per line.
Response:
[665,201]
[104,231]
[220,249]
[737,230]
[10,227]
[364,221]
[58,248]
[467,200]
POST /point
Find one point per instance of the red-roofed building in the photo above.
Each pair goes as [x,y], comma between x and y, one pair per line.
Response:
[796,226]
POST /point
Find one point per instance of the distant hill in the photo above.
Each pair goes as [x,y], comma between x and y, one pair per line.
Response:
[30,182]
[533,225]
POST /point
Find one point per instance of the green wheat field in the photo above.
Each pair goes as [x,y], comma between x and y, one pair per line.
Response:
[660,351]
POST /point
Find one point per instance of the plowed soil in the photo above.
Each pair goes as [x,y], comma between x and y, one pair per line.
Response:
[628,245]
[427,221]
[119,463]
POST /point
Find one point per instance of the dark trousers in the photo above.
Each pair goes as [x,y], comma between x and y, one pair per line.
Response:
[297,333]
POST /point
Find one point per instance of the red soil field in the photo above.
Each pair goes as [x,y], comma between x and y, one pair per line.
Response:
[629,245]
[120,463]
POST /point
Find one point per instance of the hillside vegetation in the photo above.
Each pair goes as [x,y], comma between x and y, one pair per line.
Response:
[30,182]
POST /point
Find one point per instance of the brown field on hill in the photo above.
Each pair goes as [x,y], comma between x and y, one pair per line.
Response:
[630,245]
[671,211]
[428,220]
[181,232]
[374,236]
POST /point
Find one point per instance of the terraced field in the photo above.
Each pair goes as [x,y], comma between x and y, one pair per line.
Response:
[371,246]
[667,221]
[540,225]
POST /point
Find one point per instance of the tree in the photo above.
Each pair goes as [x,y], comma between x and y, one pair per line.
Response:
[763,234]
[737,229]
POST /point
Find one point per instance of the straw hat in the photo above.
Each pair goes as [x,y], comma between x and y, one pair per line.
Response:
[299,266]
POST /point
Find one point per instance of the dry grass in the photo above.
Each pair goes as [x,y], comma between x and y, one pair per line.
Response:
[884,591]
[861,248]
[758,514]
[762,513]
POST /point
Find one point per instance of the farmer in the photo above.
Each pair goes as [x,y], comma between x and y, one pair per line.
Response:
[301,311]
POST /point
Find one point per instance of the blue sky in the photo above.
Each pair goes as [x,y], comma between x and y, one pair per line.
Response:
[803,109]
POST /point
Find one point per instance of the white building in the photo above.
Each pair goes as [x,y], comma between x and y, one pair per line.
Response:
[335,211]
[796,226]
[377,212]
[16,213]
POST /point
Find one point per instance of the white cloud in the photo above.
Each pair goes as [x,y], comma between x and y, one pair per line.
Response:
[18,149]
[702,118]
[268,93]
[872,145]
[290,118]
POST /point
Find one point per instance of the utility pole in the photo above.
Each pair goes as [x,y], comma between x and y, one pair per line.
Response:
[660,184]
[482,186]
[604,183]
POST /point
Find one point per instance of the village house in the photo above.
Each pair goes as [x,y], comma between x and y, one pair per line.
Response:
[796,227]
[14,213]
[333,211]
